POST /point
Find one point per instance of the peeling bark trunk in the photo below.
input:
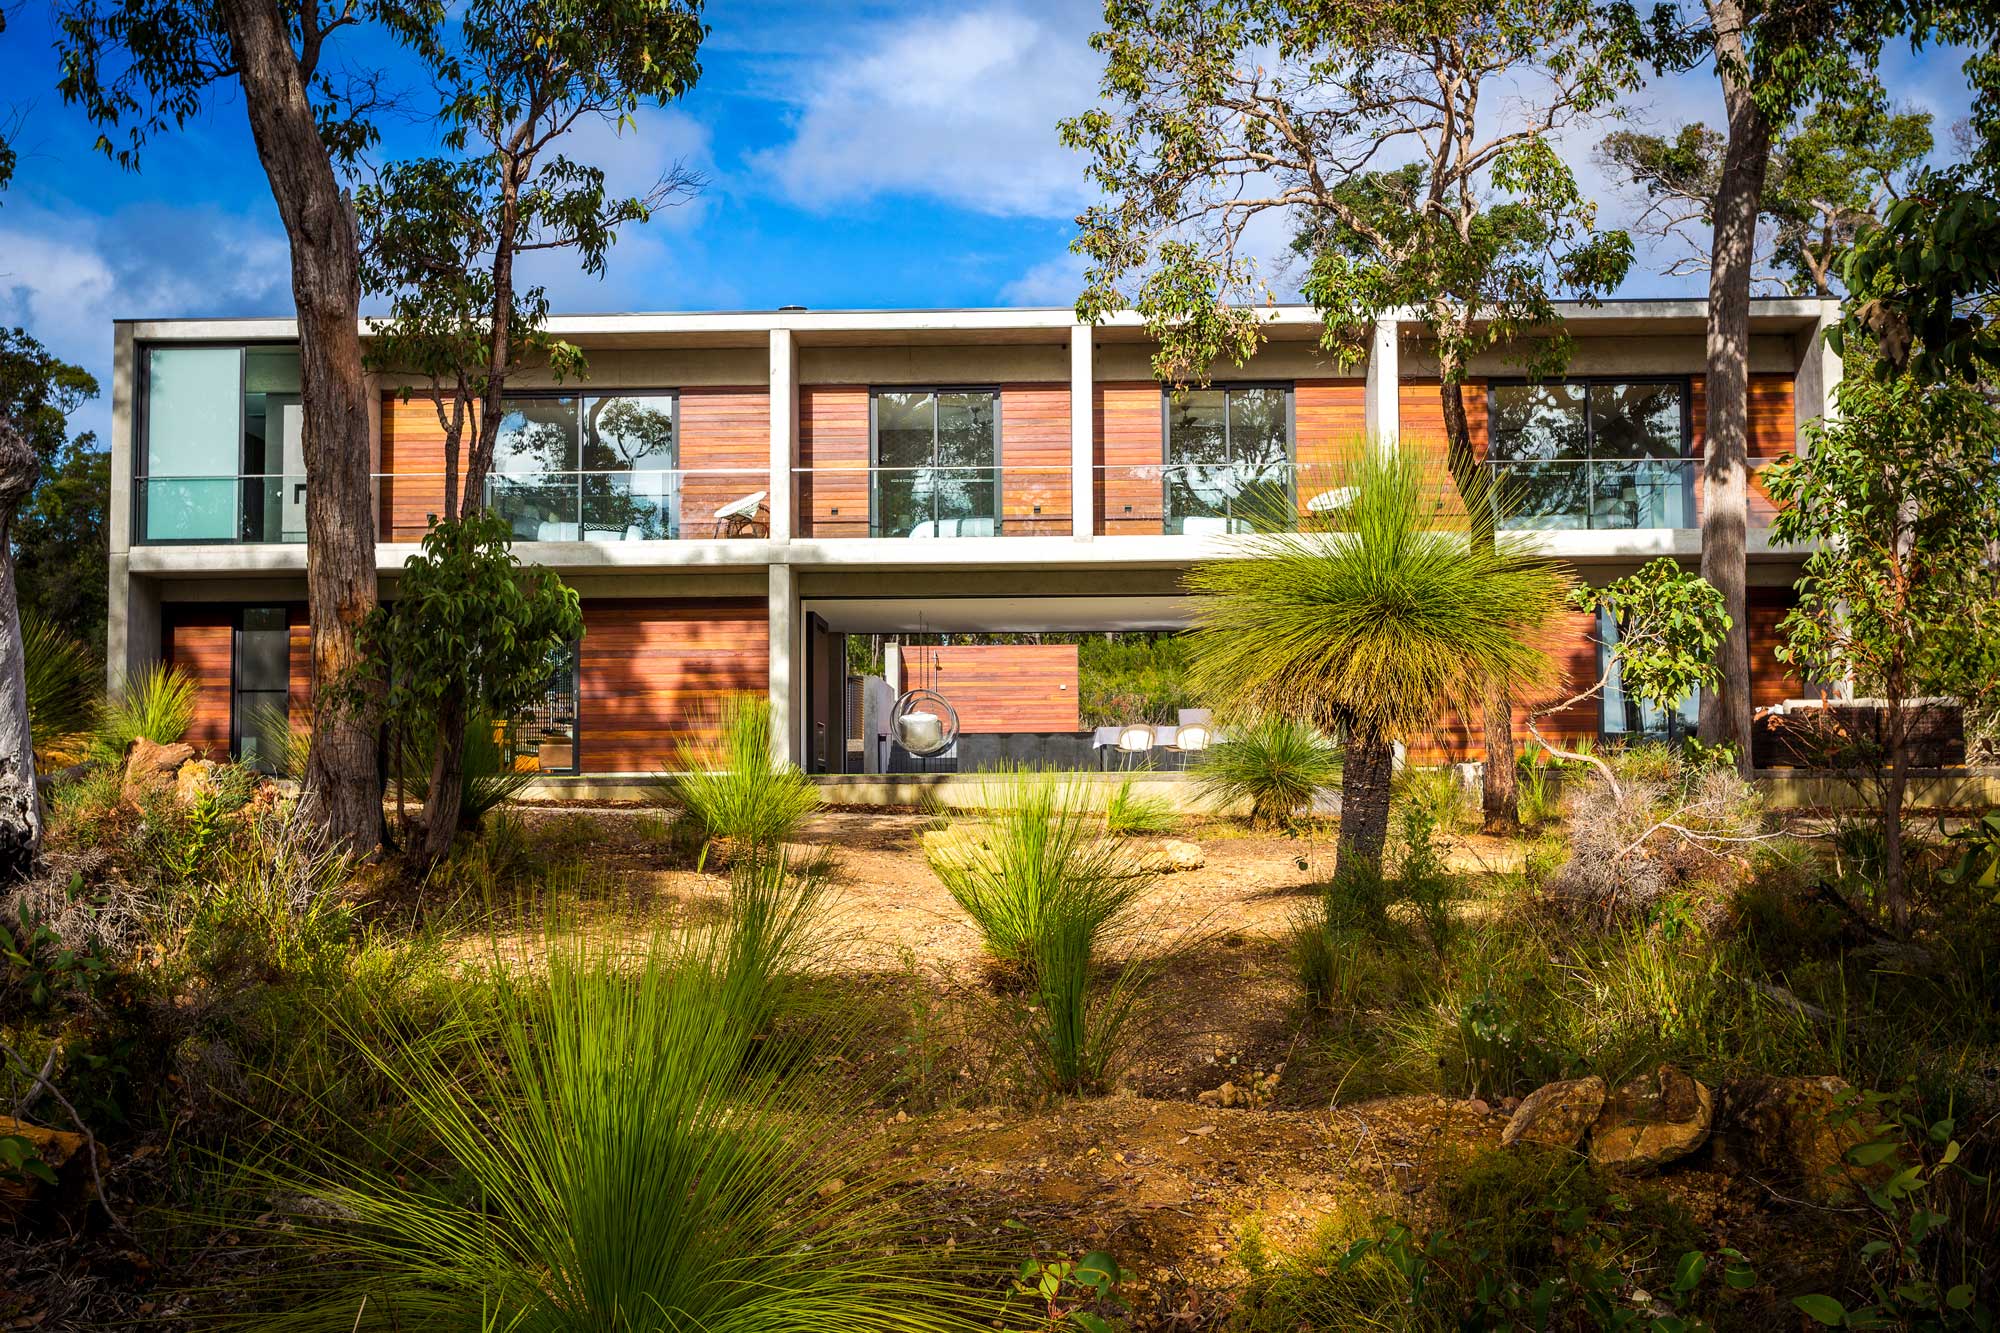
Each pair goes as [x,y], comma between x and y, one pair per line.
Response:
[1500,802]
[1367,765]
[342,788]
[1739,197]
[447,785]
[20,801]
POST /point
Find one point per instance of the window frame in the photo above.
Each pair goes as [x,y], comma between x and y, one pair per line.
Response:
[875,392]
[581,395]
[1290,389]
[1684,382]
[575,768]
[142,430]
[1677,729]
[237,630]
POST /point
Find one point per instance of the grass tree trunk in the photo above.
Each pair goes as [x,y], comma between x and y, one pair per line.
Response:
[342,783]
[20,803]
[1725,521]
[1367,766]
[1499,799]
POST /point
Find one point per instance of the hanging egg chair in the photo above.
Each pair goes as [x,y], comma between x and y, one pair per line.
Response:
[924,723]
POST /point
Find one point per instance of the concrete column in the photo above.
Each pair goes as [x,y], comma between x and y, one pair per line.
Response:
[124,641]
[1818,375]
[784,435]
[131,626]
[1082,427]
[1383,413]
[787,667]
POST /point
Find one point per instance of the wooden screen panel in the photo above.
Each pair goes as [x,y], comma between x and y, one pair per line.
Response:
[411,489]
[833,448]
[1772,434]
[656,671]
[298,702]
[1034,460]
[725,450]
[202,642]
[1010,687]
[1771,681]
[1330,429]
[1127,450]
[1572,646]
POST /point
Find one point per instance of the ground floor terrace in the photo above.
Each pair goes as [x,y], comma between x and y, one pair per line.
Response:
[1079,670]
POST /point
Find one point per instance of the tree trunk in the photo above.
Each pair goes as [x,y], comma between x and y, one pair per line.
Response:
[20,801]
[1500,802]
[441,798]
[1739,198]
[341,786]
[1895,892]
[1368,763]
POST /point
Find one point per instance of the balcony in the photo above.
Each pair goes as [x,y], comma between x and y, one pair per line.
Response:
[1207,499]
[934,501]
[253,509]
[1612,495]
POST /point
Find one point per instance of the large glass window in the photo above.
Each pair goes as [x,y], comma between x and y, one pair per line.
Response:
[1229,458]
[571,468]
[1588,454]
[221,457]
[263,680]
[1629,719]
[542,738]
[936,468]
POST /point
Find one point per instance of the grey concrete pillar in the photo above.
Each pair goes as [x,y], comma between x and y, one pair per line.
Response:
[1382,411]
[787,667]
[127,645]
[1818,375]
[1082,429]
[784,431]
[131,626]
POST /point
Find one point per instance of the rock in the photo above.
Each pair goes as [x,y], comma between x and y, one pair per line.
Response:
[1556,1115]
[1257,1092]
[1796,1129]
[1170,855]
[1652,1120]
[60,1151]
[196,778]
[150,769]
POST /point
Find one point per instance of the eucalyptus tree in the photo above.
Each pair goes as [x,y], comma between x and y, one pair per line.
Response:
[1409,149]
[446,235]
[1833,174]
[146,67]
[1372,623]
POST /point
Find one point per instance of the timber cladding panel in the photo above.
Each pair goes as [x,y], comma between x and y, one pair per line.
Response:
[725,449]
[833,450]
[1034,460]
[1330,431]
[1771,681]
[1127,449]
[654,672]
[411,489]
[1773,434]
[1572,648]
[1004,687]
[201,641]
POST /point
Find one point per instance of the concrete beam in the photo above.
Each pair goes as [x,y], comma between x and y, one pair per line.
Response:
[784,431]
[1082,413]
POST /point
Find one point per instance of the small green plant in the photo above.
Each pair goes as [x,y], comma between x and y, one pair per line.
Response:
[1914,1279]
[1064,1293]
[1128,813]
[1978,865]
[37,968]
[1437,793]
[1276,765]
[156,705]
[1424,881]
[737,790]
[1333,937]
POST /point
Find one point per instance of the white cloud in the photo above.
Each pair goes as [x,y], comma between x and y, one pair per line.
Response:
[1053,282]
[960,107]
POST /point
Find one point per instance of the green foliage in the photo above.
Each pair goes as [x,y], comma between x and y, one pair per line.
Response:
[1132,678]
[62,691]
[1925,283]
[1916,1276]
[157,705]
[1205,105]
[1275,763]
[37,969]
[1065,1293]
[1670,623]
[1439,793]
[738,791]
[1128,813]
[1978,865]
[1424,881]
[621,1160]
[60,564]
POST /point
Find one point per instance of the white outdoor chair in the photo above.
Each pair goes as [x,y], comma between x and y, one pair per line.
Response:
[1192,738]
[1136,739]
[738,518]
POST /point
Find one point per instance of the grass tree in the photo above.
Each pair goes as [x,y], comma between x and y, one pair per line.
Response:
[1226,117]
[1373,625]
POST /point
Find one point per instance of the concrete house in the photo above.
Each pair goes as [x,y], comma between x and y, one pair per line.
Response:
[733,494]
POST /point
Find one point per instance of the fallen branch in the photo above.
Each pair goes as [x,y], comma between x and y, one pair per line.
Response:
[89,1141]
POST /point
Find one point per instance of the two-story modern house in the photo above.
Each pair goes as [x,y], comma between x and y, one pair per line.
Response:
[734,494]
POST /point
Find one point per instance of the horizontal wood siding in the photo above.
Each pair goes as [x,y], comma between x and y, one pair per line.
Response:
[656,671]
[1773,434]
[1421,433]
[1572,644]
[722,431]
[201,642]
[1330,426]
[998,688]
[1127,451]
[1034,460]
[833,448]
[411,489]
[298,703]
[1771,681]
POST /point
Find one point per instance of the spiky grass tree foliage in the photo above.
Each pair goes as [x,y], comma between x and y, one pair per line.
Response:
[1371,622]
[157,704]
[630,1148]
[1277,764]
[62,692]
[736,789]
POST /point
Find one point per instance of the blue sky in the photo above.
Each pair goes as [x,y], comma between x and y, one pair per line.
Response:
[860,153]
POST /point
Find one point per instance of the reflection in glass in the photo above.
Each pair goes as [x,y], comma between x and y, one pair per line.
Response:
[628,433]
[631,506]
[1538,421]
[194,398]
[1626,718]
[1609,456]
[935,457]
[1635,421]
[542,738]
[263,688]
[536,435]
[1228,458]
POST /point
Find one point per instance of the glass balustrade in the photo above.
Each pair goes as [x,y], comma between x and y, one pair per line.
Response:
[934,501]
